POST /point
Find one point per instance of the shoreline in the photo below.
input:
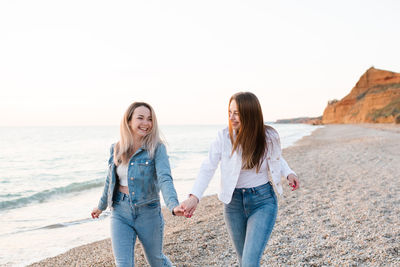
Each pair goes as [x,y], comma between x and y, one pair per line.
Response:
[342,215]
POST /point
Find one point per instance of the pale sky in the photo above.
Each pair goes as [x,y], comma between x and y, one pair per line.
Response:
[83,62]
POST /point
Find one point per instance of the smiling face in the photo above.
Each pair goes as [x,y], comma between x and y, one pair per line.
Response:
[234,115]
[141,122]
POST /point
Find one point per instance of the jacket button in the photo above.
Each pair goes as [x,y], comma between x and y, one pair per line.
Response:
[277,158]
[147,162]
[131,163]
[131,178]
[133,193]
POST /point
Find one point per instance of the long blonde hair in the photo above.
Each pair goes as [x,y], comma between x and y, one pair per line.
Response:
[123,150]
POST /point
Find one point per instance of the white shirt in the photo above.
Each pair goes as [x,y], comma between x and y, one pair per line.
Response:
[251,178]
[220,151]
[122,171]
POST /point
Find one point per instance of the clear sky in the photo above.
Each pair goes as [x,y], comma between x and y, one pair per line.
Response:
[83,62]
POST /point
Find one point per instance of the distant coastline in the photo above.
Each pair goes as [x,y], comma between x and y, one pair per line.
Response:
[307,120]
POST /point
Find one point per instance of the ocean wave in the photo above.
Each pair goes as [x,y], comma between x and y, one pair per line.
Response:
[104,215]
[66,224]
[46,194]
[10,195]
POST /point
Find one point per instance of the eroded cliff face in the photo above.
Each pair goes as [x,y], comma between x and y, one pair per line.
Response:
[375,98]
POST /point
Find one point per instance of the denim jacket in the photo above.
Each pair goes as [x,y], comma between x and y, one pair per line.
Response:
[146,176]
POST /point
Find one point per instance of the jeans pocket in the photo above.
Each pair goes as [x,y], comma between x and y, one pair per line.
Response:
[265,196]
[265,189]
[116,202]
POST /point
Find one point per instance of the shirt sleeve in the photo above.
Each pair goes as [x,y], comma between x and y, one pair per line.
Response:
[208,167]
[285,169]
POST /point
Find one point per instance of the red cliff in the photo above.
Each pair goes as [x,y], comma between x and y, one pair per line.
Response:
[375,98]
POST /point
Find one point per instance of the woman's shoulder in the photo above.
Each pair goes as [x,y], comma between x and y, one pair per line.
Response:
[160,148]
[271,133]
[223,134]
[270,130]
[112,147]
[160,145]
[224,131]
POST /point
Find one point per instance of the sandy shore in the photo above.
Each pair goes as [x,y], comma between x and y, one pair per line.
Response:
[346,213]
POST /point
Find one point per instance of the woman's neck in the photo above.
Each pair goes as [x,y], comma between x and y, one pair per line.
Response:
[138,142]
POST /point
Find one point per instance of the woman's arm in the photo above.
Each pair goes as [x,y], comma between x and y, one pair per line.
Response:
[164,177]
[103,200]
[291,176]
[286,171]
[208,167]
[207,170]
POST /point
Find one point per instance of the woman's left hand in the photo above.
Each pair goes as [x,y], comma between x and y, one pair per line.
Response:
[178,211]
[294,181]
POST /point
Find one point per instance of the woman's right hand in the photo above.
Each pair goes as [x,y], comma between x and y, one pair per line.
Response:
[96,213]
[189,205]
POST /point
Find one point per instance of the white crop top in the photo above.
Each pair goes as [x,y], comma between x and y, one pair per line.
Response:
[250,178]
[122,171]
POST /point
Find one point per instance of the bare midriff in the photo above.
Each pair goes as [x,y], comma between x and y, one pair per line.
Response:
[124,189]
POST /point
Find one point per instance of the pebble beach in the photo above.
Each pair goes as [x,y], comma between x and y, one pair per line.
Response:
[346,213]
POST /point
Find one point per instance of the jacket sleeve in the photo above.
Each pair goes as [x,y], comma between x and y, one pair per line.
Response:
[103,200]
[285,169]
[208,167]
[164,177]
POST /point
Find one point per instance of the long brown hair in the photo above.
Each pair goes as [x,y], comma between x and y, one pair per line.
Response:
[250,139]
[124,148]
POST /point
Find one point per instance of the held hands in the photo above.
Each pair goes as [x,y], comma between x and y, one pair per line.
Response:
[178,211]
[96,213]
[189,206]
[294,181]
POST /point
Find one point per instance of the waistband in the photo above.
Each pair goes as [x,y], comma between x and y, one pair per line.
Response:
[118,196]
[253,189]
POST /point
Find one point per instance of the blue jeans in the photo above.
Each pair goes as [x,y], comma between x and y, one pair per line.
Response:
[146,223]
[250,217]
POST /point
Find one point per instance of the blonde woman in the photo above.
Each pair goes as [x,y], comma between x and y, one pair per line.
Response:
[247,150]
[138,169]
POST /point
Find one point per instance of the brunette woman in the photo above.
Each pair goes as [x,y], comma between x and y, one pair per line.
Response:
[251,163]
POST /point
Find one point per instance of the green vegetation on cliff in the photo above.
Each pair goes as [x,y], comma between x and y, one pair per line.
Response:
[392,109]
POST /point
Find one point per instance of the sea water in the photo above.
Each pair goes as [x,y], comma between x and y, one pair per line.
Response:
[52,177]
